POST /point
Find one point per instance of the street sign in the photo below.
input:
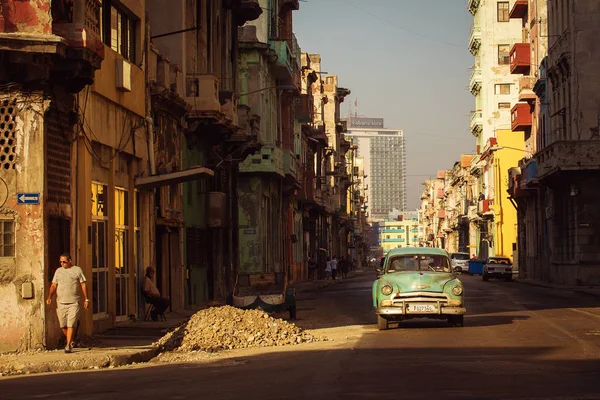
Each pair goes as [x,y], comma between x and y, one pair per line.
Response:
[28,198]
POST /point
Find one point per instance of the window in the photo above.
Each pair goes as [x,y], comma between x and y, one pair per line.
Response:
[99,238]
[118,29]
[121,253]
[503,54]
[503,11]
[7,239]
[502,88]
[503,105]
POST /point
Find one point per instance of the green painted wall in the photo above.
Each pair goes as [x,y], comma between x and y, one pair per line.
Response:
[194,216]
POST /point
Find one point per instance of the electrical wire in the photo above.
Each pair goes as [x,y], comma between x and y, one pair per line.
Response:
[403,28]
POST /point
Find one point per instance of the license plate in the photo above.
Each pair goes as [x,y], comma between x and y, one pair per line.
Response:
[422,308]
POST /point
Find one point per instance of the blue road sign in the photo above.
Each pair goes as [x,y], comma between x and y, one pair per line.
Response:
[28,198]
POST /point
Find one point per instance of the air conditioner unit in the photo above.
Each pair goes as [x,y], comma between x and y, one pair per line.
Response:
[123,75]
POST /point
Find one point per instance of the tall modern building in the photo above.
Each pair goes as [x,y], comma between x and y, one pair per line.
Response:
[384,154]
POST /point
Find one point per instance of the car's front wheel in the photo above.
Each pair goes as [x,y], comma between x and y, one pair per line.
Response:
[382,323]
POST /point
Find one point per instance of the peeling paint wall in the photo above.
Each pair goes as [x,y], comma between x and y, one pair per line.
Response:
[21,320]
[31,16]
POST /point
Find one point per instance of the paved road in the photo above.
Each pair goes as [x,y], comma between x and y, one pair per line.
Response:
[519,342]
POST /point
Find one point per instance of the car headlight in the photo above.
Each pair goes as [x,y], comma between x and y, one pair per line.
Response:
[457,290]
[387,289]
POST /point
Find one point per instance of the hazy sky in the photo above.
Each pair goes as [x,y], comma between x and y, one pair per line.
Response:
[405,61]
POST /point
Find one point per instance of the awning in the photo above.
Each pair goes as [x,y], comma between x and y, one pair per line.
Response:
[172,178]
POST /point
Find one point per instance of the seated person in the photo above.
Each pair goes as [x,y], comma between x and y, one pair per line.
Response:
[153,295]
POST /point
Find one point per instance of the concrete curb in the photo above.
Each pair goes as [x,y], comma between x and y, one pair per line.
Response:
[57,361]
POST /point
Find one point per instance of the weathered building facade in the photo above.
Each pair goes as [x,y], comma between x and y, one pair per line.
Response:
[495,90]
[561,180]
[132,137]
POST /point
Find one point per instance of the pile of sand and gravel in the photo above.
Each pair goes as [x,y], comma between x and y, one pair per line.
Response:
[225,328]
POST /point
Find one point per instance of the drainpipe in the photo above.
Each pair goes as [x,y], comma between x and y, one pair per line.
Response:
[150,130]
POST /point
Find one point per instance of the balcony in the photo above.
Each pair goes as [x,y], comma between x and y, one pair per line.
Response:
[483,206]
[520,58]
[526,93]
[202,93]
[473,6]
[284,71]
[520,117]
[475,40]
[568,156]
[290,164]
[247,10]
[81,29]
[476,123]
[290,5]
[228,101]
[520,9]
[475,81]
[304,109]
[269,160]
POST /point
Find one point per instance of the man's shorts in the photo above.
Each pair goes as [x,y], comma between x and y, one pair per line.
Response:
[67,314]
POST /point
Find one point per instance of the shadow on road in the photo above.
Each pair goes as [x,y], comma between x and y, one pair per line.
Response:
[384,373]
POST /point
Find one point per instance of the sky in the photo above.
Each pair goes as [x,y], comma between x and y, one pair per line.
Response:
[405,61]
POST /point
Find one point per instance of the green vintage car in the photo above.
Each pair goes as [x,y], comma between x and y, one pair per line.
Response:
[417,282]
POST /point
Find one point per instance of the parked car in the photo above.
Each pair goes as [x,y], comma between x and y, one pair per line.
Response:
[460,262]
[417,282]
[266,291]
[498,267]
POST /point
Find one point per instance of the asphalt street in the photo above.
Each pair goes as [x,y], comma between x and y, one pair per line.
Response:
[518,342]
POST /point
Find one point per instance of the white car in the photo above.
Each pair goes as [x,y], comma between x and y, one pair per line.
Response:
[498,267]
[460,262]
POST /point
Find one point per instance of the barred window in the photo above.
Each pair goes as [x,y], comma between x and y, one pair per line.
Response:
[7,239]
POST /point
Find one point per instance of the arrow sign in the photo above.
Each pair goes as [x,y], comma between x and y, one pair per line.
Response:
[28,198]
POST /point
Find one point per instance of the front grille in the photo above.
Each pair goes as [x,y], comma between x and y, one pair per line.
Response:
[416,297]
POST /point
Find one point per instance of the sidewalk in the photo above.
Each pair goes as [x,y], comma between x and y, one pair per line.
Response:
[587,290]
[128,343]
[311,286]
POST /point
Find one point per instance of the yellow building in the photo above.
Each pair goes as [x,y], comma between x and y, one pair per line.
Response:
[505,155]
[404,233]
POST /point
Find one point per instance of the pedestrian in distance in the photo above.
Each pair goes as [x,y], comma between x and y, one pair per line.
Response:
[334,267]
[345,267]
[152,295]
[312,269]
[328,269]
[66,283]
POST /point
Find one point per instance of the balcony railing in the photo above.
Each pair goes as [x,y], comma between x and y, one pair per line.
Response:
[475,40]
[475,81]
[520,58]
[476,122]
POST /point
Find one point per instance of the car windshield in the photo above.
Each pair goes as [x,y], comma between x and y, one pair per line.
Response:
[418,262]
[460,256]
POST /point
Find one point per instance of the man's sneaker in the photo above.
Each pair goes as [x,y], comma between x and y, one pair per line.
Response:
[69,349]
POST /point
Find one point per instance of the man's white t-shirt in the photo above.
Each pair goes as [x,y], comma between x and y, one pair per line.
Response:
[150,287]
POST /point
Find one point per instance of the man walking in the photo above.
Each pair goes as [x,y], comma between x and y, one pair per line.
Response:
[66,282]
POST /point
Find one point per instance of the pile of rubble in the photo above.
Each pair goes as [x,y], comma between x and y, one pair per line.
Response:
[225,328]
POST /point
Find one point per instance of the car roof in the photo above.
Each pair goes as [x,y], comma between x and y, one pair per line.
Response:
[430,251]
[459,252]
